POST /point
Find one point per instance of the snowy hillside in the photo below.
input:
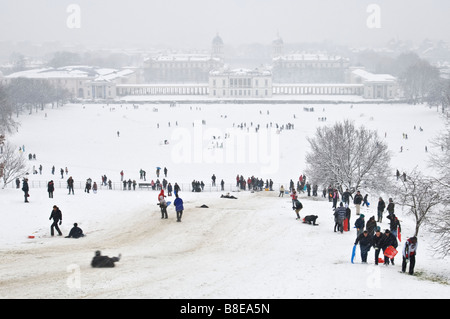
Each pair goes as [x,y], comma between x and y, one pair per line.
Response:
[249,247]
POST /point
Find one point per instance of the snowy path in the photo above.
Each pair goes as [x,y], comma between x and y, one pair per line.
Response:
[229,250]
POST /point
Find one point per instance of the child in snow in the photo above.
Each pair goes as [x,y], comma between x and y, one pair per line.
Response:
[409,254]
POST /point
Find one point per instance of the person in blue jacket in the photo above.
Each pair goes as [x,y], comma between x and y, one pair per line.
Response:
[178,203]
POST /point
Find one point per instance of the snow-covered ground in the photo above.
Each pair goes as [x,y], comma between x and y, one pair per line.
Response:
[250,247]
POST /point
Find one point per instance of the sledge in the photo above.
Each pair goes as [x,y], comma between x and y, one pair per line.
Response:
[353,253]
[399,234]
[380,260]
[346,225]
[390,252]
[168,204]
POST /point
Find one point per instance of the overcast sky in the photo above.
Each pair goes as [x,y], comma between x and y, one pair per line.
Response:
[194,23]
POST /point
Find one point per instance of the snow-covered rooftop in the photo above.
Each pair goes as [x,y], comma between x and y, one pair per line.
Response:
[310,57]
[241,72]
[371,77]
[76,72]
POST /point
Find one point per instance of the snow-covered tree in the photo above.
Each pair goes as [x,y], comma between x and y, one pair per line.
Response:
[420,194]
[13,164]
[7,124]
[347,157]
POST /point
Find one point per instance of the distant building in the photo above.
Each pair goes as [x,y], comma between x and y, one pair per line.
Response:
[376,86]
[309,68]
[170,68]
[180,68]
[240,83]
[83,82]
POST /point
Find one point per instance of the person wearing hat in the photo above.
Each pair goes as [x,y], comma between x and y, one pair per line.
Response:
[365,243]
[100,261]
[75,232]
[409,254]
[56,215]
[359,224]
[388,240]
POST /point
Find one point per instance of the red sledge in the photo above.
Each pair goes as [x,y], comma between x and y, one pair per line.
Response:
[346,228]
[390,252]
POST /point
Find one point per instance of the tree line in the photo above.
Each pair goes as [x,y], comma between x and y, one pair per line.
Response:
[25,95]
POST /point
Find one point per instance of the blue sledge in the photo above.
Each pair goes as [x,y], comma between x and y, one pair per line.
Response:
[353,253]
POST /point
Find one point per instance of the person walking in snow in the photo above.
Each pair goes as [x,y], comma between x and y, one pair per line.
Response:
[50,189]
[162,204]
[394,224]
[339,215]
[365,243]
[390,207]
[297,207]
[281,191]
[335,198]
[365,200]
[56,215]
[178,203]
[376,243]
[346,197]
[359,224]
[380,208]
[357,200]
[371,225]
[25,189]
[70,185]
[409,254]
[386,241]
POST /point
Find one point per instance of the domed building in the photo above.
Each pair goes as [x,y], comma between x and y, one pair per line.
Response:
[217,47]
[277,47]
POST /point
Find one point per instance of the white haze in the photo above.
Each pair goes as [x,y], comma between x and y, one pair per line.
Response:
[193,23]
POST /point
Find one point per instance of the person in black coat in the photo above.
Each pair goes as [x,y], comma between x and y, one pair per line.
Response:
[56,215]
[357,200]
[388,240]
[100,261]
[376,243]
[346,197]
[380,208]
[25,189]
[365,242]
[371,225]
[50,189]
[75,232]
[310,219]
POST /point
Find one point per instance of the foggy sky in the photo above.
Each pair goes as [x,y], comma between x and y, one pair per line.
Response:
[193,23]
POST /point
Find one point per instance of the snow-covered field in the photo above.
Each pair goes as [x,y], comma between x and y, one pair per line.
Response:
[250,247]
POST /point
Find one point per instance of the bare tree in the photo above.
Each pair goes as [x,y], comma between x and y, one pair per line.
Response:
[348,158]
[420,195]
[7,124]
[440,161]
[13,164]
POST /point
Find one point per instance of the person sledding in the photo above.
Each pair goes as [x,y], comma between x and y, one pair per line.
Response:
[310,220]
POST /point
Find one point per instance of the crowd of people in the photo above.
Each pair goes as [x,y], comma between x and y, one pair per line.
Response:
[368,234]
